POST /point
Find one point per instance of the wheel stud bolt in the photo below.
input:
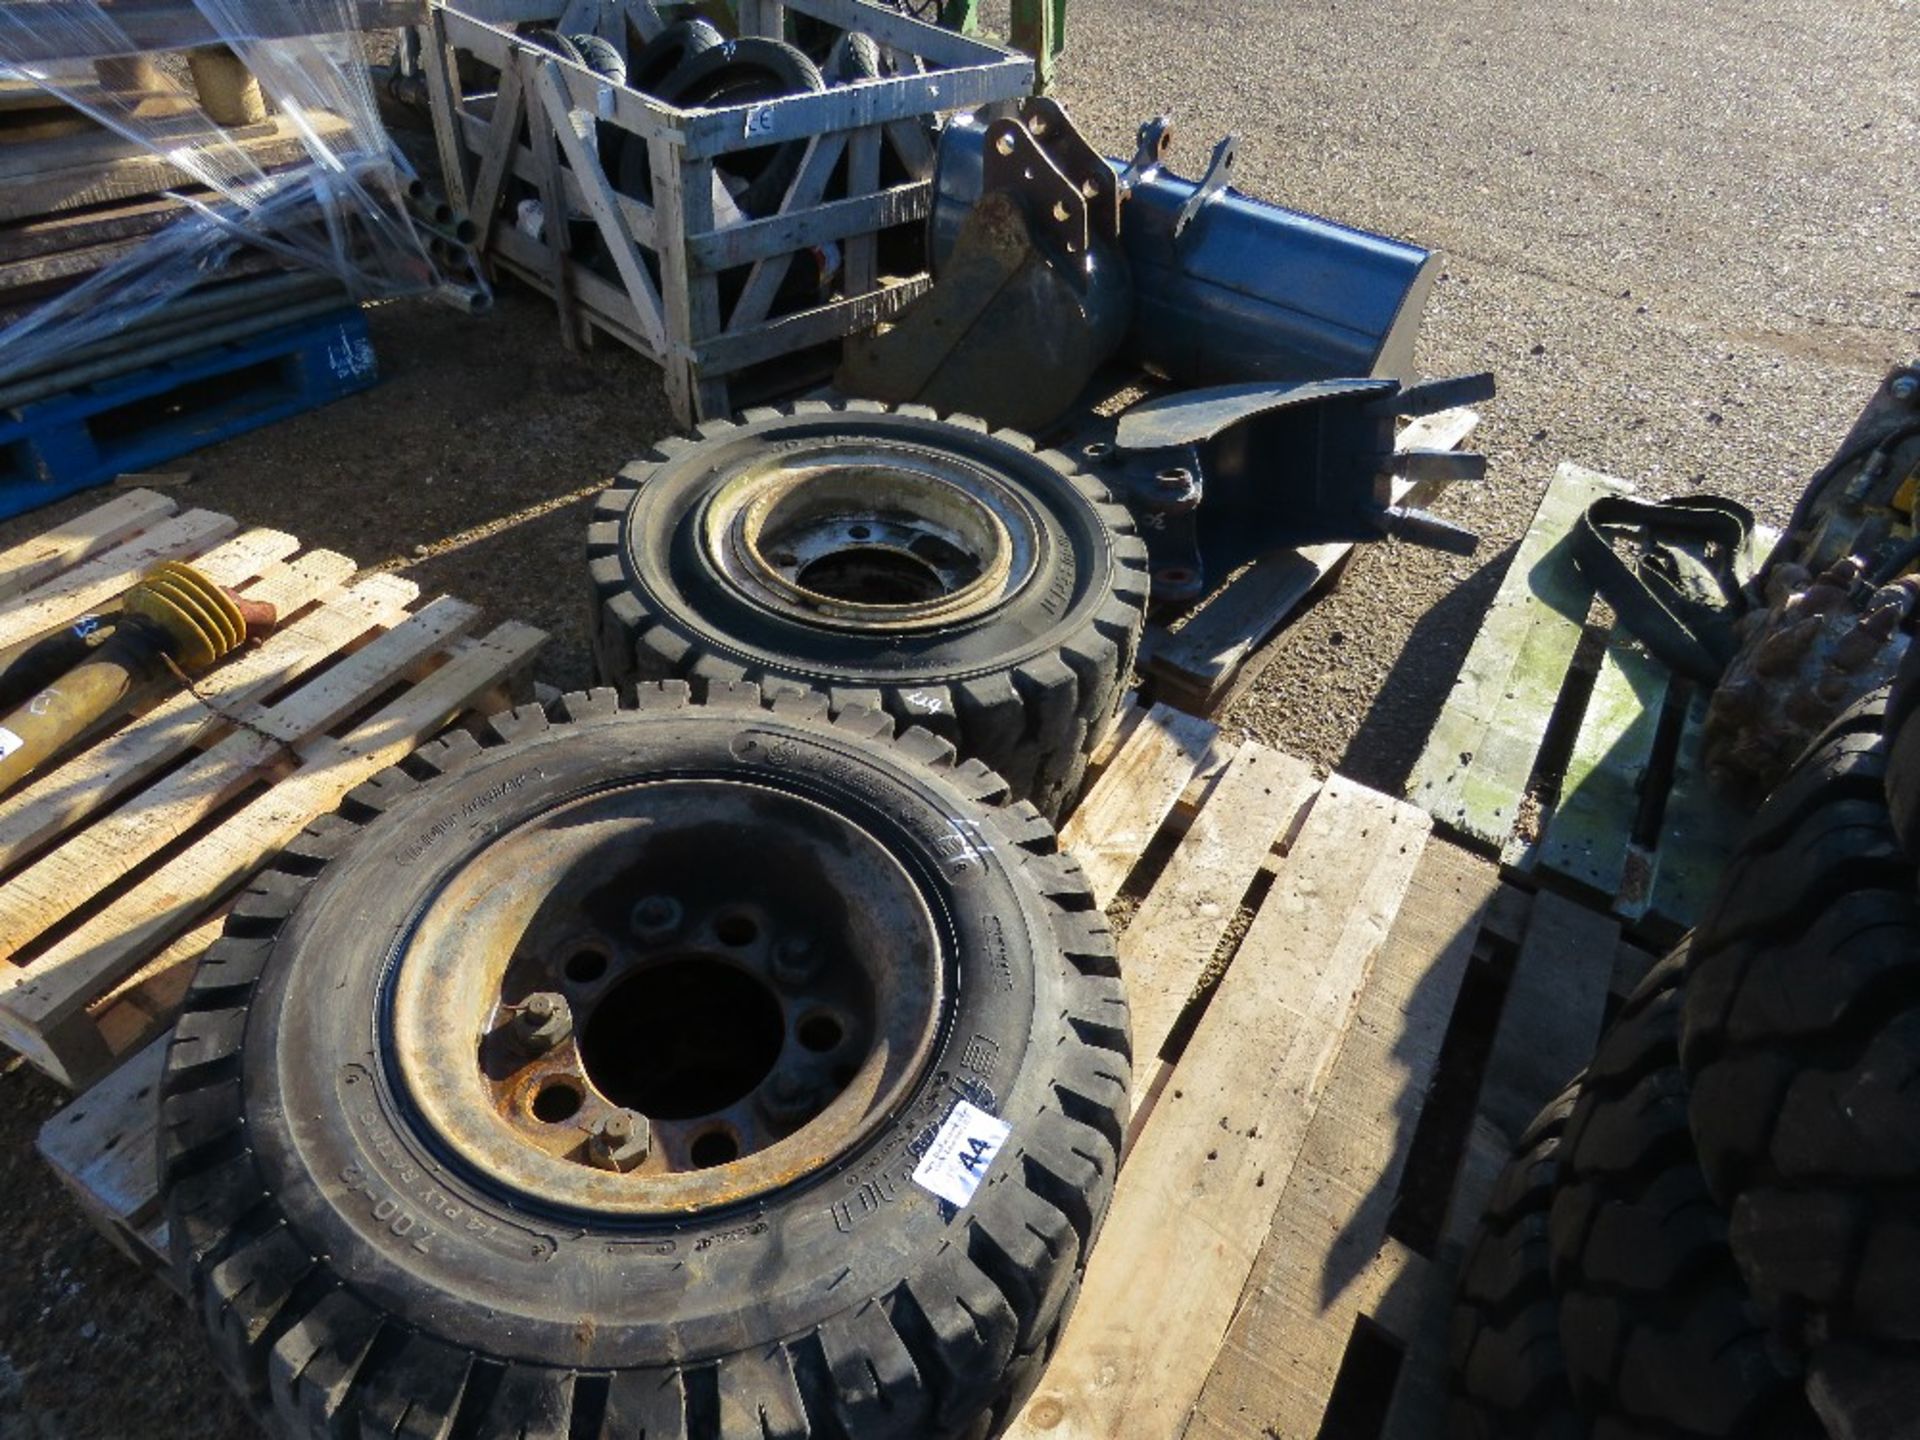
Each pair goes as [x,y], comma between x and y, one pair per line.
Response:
[621,1140]
[543,1021]
[796,960]
[655,917]
[788,1098]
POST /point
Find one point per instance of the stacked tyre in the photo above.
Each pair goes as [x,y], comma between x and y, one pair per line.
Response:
[1716,1230]
[651,1068]
[957,578]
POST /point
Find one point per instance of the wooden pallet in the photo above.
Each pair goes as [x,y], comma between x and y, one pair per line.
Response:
[116,862]
[1291,1211]
[1587,776]
[1204,661]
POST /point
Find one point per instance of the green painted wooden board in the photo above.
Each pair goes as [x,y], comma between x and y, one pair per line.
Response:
[1588,836]
[1481,753]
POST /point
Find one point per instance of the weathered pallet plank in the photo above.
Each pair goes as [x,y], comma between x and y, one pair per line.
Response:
[1699,831]
[1223,1139]
[115,941]
[84,864]
[1481,753]
[103,1147]
[66,597]
[1589,832]
[34,561]
[1284,1350]
[68,794]
[1555,1001]
[1551,1019]
[1112,827]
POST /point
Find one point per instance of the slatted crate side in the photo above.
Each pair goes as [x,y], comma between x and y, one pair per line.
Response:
[670,309]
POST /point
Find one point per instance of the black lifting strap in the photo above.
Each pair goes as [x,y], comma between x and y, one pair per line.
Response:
[1690,583]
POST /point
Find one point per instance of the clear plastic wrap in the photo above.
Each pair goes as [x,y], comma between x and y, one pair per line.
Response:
[342,211]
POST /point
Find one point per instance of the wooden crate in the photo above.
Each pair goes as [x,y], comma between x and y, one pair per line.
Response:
[1291,1211]
[1204,661]
[669,254]
[1586,776]
[115,863]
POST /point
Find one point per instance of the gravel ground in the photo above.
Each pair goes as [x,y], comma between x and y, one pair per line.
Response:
[1683,238]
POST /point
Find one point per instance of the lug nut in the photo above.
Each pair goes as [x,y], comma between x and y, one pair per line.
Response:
[788,1099]
[655,917]
[543,1021]
[1905,387]
[621,1140]
[796,960]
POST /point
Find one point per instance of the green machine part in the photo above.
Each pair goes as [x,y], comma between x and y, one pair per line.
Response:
[1039,29]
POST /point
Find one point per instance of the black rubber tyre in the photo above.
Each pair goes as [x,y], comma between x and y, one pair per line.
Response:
[1659,1334]
[856,56]
[740,72]
[1026,686]
[668,51]
[1903,757]
[1509,1375]
[360,1278]
[1803,1049]
[601,57]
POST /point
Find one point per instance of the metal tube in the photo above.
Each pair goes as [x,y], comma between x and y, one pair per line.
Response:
[189,311]
[32,664]
[1247,292]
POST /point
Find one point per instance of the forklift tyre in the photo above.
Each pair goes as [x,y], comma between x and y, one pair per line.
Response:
[1803,1052]
[386,1232]
[958,579]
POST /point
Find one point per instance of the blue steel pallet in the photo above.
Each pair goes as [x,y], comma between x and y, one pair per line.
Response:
[52,448]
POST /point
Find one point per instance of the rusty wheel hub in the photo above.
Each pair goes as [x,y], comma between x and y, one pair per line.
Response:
[667,996]
[872,535]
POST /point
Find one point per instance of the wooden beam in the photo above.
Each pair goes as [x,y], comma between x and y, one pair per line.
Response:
[1215,1158]
[33,562]
[66,597]
[903,32]
[736,349]
[1173,935]
[787,232]
[1113,826]
[1283,1353]
[602,206]
[873,102]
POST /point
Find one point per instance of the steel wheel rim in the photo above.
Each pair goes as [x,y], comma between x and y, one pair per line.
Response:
[872,535]
[738,904]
